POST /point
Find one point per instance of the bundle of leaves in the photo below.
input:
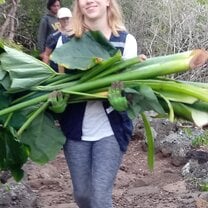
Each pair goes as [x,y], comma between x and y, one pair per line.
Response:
[27,126]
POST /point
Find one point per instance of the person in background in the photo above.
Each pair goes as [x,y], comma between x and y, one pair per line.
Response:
[97,132]
[59,37]
[49,24]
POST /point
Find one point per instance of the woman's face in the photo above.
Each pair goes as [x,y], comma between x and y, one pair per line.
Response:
[93,9]
[55,7]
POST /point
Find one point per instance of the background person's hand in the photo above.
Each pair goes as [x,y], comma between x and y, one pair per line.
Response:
[117,101]
[58,101]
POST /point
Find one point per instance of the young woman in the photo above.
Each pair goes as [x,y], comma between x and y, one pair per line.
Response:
[97,134]
[49,24]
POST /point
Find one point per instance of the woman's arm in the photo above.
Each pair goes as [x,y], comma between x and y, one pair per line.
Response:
[130,48]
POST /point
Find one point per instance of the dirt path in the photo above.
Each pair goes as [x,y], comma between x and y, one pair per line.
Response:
[135,185]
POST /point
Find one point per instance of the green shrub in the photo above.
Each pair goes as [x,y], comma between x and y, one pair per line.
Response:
[201,140]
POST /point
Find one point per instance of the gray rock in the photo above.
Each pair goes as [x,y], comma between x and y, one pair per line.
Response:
[178,187]
[17,195]
[195,174]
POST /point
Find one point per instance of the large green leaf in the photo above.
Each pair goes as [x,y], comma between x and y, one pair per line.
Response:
[169,107]
[82,53]
[13,154]
[6,82]
[24,71]
[199,105]
[191,113]
[44,139]
[178,96]
[15,119]
[2,1]
[142,98]
[104,42]
[5,99]
[150,141]
[2,73]
[4,103]
[2,50]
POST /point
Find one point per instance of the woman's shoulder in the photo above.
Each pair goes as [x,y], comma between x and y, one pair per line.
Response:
[126,34]
[123,32]
[122,36]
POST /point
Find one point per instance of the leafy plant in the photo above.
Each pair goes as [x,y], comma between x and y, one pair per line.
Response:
[203,186]
[2,1]
[203,1]
[187,131]
[25,84]
[13,153]
[201,140]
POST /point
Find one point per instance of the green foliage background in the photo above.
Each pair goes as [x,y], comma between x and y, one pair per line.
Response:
[29,15]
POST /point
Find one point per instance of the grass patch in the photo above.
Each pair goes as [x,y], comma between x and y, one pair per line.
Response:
[201,140]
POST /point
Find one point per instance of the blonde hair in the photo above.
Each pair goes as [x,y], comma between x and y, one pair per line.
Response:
[115,19]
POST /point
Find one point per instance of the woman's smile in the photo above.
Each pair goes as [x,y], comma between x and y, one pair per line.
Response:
[91,8]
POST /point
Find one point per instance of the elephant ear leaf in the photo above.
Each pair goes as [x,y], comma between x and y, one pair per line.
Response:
[2,73]
[1,44]
[13,154]
[85,52]
[20,71]
[103,42]
[142,99]
[44,139]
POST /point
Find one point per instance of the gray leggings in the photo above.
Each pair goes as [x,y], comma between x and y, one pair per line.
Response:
[93,167]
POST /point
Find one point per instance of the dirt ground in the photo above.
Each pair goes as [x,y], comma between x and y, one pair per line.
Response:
[135,185]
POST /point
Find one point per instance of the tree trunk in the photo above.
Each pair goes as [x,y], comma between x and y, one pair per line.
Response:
[8,27]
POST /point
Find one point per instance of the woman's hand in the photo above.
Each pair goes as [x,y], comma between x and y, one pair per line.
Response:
[58,101]
[142,57]
[117,101]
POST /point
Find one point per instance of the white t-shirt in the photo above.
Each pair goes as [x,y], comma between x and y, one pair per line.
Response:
[59,42]
[96,124]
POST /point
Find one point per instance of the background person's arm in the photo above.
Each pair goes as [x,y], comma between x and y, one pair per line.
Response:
[42,35]
[46,55]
